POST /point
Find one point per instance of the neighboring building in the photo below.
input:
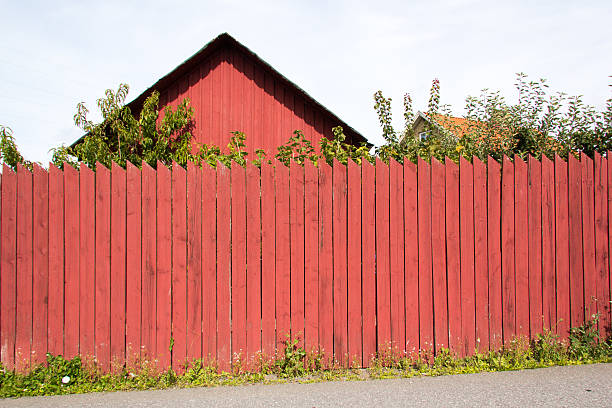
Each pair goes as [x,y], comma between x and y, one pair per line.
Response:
[422,127]
[232,89]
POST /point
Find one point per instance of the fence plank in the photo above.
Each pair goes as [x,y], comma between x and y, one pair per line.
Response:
[179,267]
[163,250]
[23,336]
[296,220]
[55,343]
[253,283]
[453,255]
[40,264]
[466,225]
[383,289]
[238,300]
[534,209]
[368,261]
[396,255]
[494,252]
[438,249]
[326,306]
[507,245]
[149,281]
[194,262]
[340,262]
[411,257]
[102,265]
[223,268]
[118,263]
[575,237]
[601,243]
[133,265]
[588,237]
[609,195]
[549,306]
[426,321]
[311,256]
[521,248]
[87,258]
[562,248]
[481,274]
[209,263]
[354,264]
[8,277]
[268,256]
[283,236]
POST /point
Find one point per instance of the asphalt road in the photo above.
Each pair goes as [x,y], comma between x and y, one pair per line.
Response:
[579,386]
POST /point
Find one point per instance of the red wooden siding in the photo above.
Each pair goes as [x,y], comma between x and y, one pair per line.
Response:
[223,264]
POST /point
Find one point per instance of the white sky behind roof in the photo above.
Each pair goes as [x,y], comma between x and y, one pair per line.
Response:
[56,54]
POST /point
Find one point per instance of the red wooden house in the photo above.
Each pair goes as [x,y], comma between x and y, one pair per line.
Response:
[232,89]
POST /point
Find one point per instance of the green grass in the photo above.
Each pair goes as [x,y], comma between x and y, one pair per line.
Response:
[584,346]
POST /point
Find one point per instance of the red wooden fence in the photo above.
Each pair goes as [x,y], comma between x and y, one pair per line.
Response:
[221,264]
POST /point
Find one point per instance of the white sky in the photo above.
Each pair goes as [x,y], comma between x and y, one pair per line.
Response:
[54,54]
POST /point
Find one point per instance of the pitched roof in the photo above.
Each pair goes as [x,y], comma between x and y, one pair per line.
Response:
[226,40]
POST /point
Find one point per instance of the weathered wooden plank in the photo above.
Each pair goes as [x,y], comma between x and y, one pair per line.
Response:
[296,221]
[311,256]
[87,257]
[521,247]
[253,279]
[239,295]
[383,281]
[283,254]
[507,246]
[8,264]
[534,209]
[223,268]
[209,263]
[55,343]
[438,252]
[588,237]
[118,267]
[179,267]
[268,256]
[426,319]
[453,255]
[354,264]
[368,262]
[163,333]
[494,252]
[466,224]
[133,265]
[562,248]
[40,264]
[340,262]
[576,267]
[481,275]
[549,304]
[396,255]
[326,316]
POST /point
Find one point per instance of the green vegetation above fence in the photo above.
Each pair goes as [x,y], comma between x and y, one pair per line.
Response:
[538,124]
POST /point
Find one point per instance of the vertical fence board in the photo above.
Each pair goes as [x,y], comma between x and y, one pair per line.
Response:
[71,261]
[194,262]
[40,265]
[133,264]
[102,265]
[411,257]
[575,239]
[453,255]
[311,256]
[562,248]
[209,263]
[340,262]
[466,225]
[354,264]
[283,253]
[438,249]
[238,300]
[163,331]
[481,274]
[383,290]
[296,220]
[426,321]
[223,268]
[507,245]
[549,306]
[149,281]
[534,197]
[368,261]
[179,266]
[87,258]
[23,335]
[609,206]
[396,255]
[521,248]
[253,283]
[8,276]
[588,237]
[494,252]
[601,243]
[268,256]
[118,261]
[55,343]
[326,306]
